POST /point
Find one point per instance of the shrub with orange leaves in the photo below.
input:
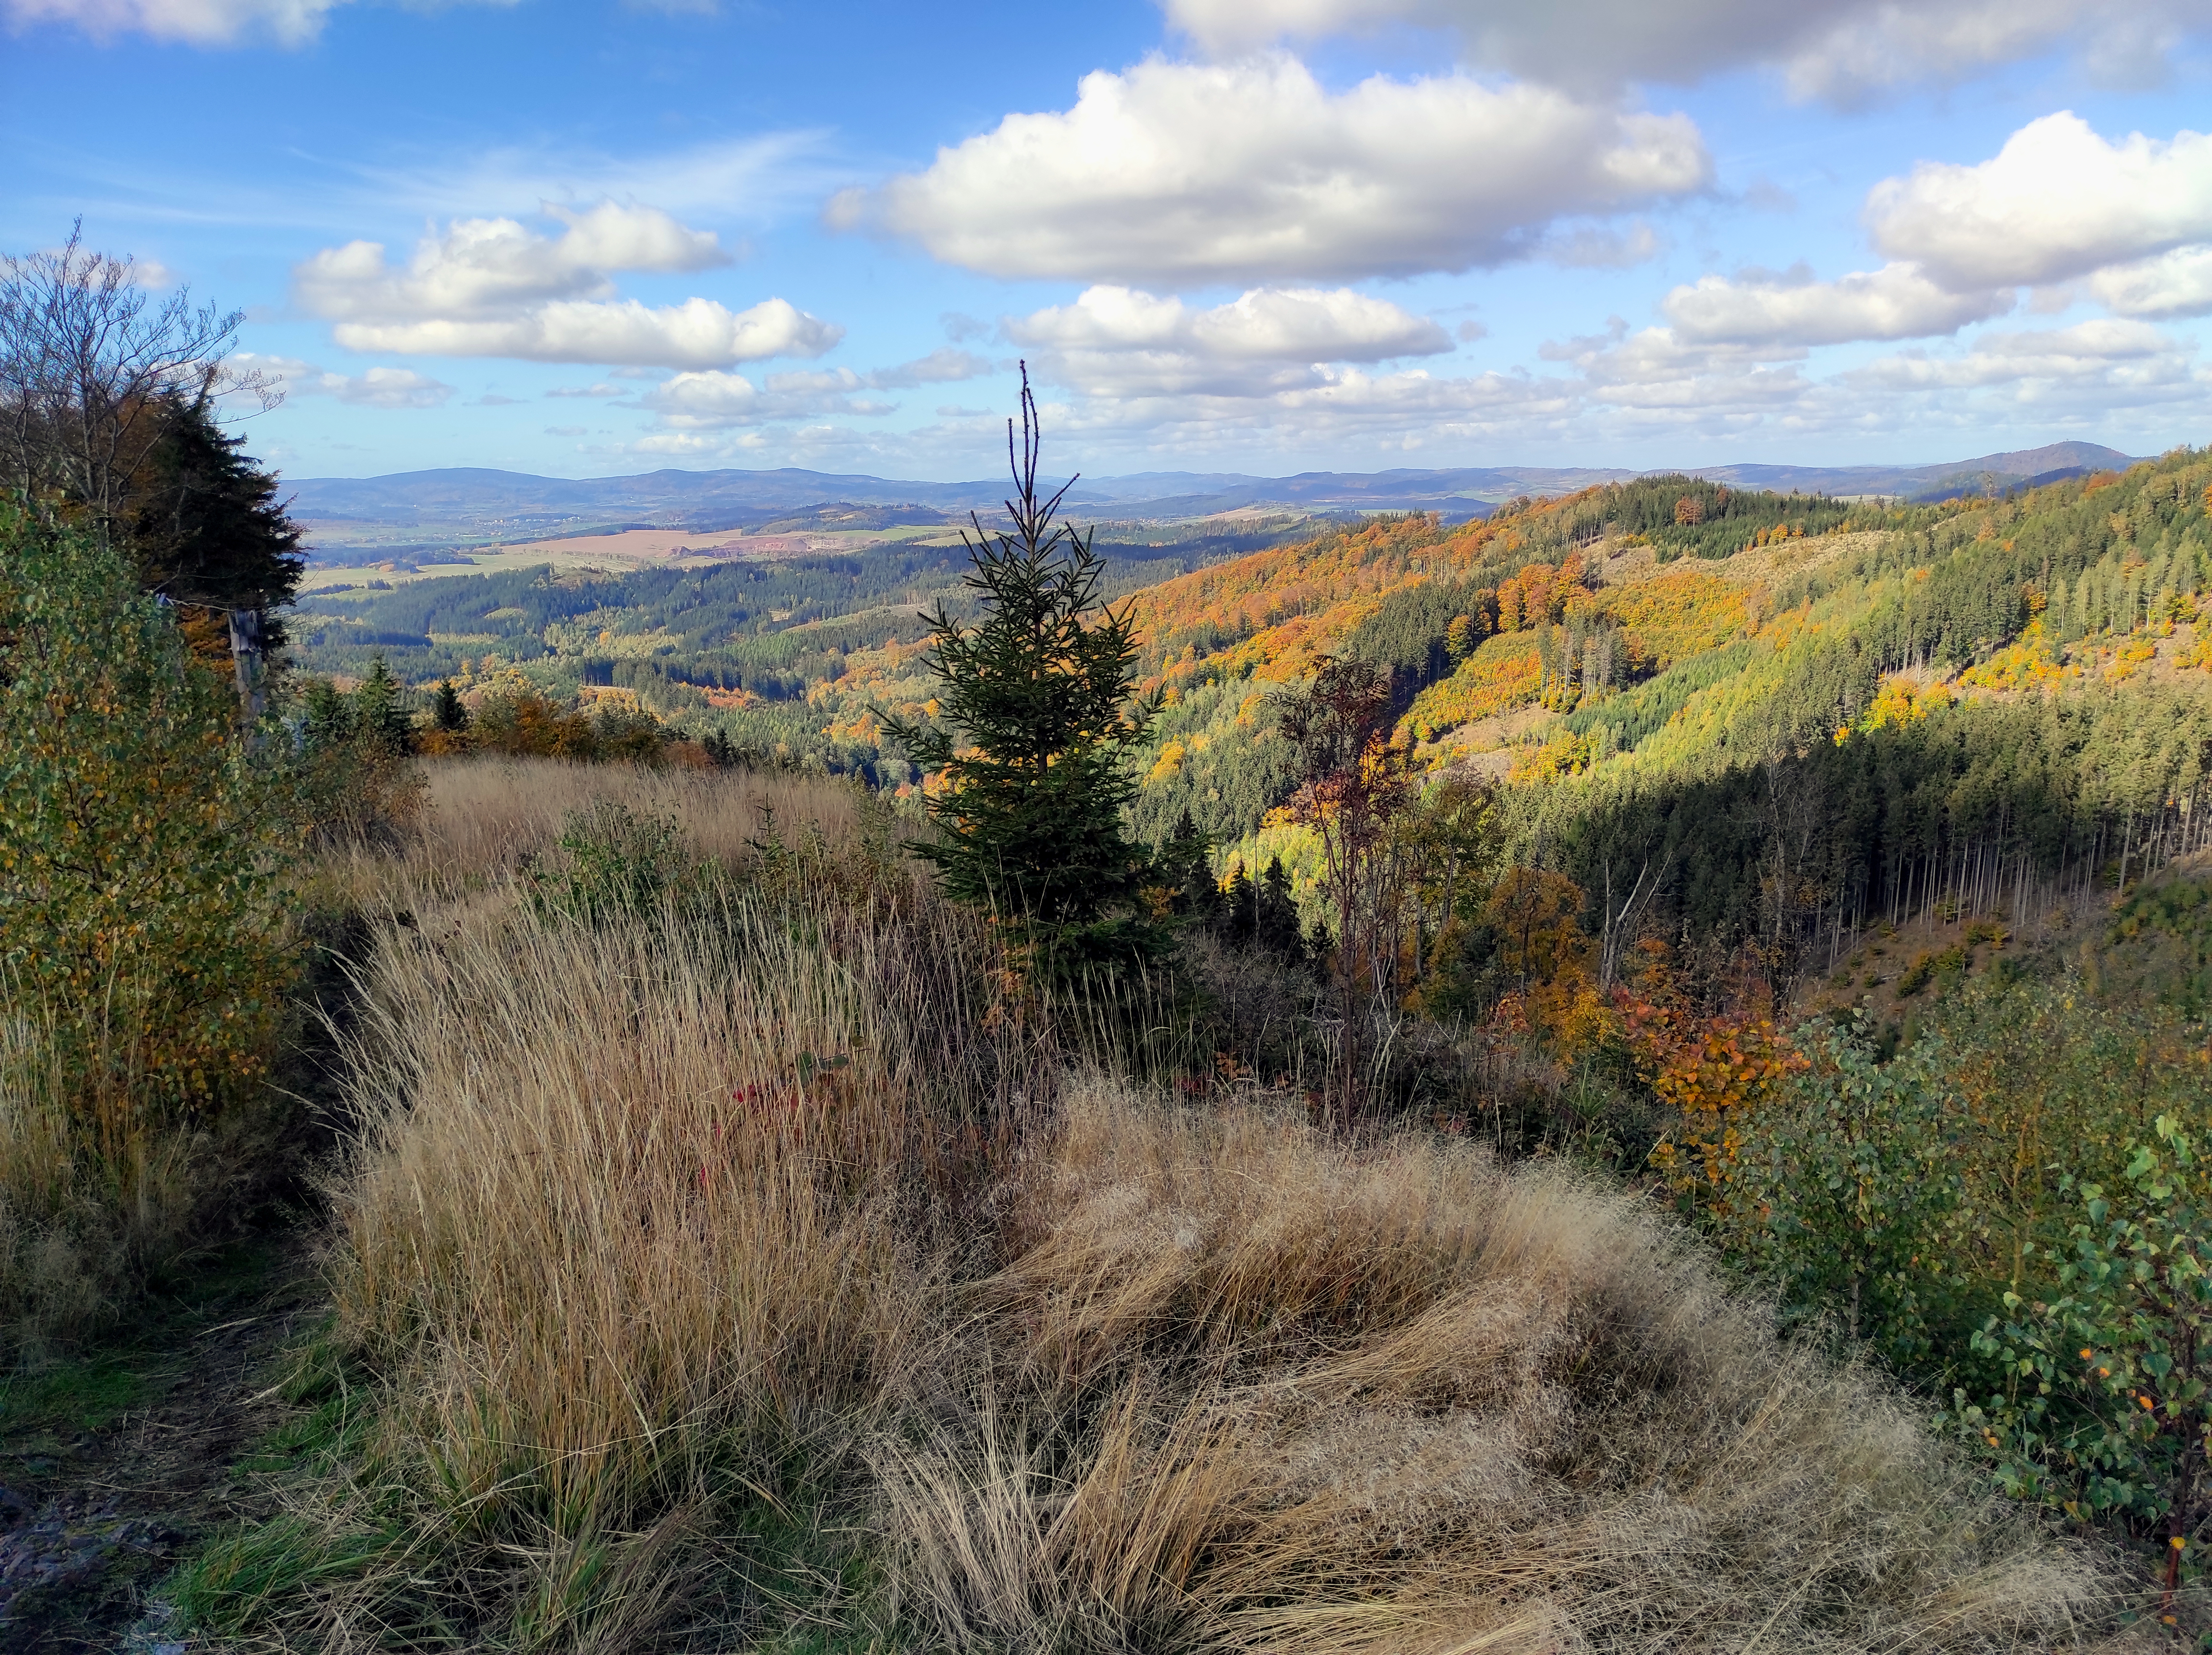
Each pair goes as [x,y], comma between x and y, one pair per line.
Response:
[2133,656]
[2029,661]
[1714,1070]
[1542,948]
[1903,700]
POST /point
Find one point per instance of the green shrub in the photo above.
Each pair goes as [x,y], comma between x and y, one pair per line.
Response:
[142,952]
[614,863]
[1849,1191]
[2108,1392]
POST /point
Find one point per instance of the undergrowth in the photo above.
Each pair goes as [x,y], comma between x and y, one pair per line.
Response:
[765,1265]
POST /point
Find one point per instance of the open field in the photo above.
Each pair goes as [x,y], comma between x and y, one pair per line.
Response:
[628,552]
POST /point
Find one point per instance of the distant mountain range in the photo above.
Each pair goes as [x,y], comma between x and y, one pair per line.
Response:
[349,519]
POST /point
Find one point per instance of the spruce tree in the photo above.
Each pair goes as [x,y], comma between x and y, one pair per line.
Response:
[1037,722]
[1276,926]
[446,710]
[1241,903]
[204,525]
[380,717]
[1186,868]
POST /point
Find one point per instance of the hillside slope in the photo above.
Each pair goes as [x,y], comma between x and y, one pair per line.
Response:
[1976,693]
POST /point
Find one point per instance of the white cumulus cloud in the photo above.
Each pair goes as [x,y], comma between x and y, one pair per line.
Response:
[943,366]
[2129,358]
[698,331]
[1174,173]
[2165,288]
[1117,342]
[1897,301]
[1653,375]
[2057,202]
[719,400]
[1838,50]
[488,286]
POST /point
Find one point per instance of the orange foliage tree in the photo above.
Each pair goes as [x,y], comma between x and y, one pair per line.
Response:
[1543,953]
[1715,1070]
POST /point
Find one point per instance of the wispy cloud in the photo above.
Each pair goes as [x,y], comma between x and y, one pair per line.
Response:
[200,22]
[375,387]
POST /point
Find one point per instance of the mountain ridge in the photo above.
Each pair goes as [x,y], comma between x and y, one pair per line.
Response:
[464,505]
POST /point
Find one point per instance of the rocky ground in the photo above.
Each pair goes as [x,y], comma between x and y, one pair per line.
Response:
[115,1461]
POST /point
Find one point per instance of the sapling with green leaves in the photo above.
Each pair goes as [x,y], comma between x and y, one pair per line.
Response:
[2109,1391]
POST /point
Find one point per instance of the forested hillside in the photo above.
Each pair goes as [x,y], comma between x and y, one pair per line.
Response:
[1793,714]
[778,656]
[1781,715]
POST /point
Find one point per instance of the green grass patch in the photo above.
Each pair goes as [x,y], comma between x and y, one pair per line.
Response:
[234,1582]
[88,1393]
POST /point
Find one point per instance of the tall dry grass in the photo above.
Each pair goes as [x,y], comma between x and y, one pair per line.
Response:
[484,817]
[723,1280]
[1248,1389]
[642,1222]
[102,1189]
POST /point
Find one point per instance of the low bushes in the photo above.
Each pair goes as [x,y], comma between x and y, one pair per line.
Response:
[143,950]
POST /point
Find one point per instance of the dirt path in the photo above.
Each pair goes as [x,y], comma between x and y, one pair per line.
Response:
[116,1462]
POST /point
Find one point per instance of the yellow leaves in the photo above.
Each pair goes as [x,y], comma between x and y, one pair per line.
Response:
[1504,672]
[1903,698]
[1714,1071]
[2028,663]
[1565,754]
[1165,766]
[2129,659]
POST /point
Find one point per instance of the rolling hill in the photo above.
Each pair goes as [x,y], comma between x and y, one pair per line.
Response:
[351,519]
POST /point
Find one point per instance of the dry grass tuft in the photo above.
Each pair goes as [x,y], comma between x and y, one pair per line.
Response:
[1253,1391]
[488,815]
[641,1221]
[751,1268]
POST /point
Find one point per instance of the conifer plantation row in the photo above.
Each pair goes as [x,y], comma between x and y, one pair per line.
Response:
[1423,1089]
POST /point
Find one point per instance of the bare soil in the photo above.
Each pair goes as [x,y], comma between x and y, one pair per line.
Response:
[117,1460]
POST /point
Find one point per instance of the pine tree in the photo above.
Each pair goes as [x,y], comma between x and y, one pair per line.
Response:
[205,526]
[378,718]
[1039,719]
[446,712]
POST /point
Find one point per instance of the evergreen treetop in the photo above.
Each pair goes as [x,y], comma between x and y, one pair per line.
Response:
[205,526]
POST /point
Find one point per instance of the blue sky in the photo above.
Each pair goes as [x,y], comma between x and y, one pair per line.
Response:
[1260,235]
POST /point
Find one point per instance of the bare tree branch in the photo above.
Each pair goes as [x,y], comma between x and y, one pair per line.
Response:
[93,371]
